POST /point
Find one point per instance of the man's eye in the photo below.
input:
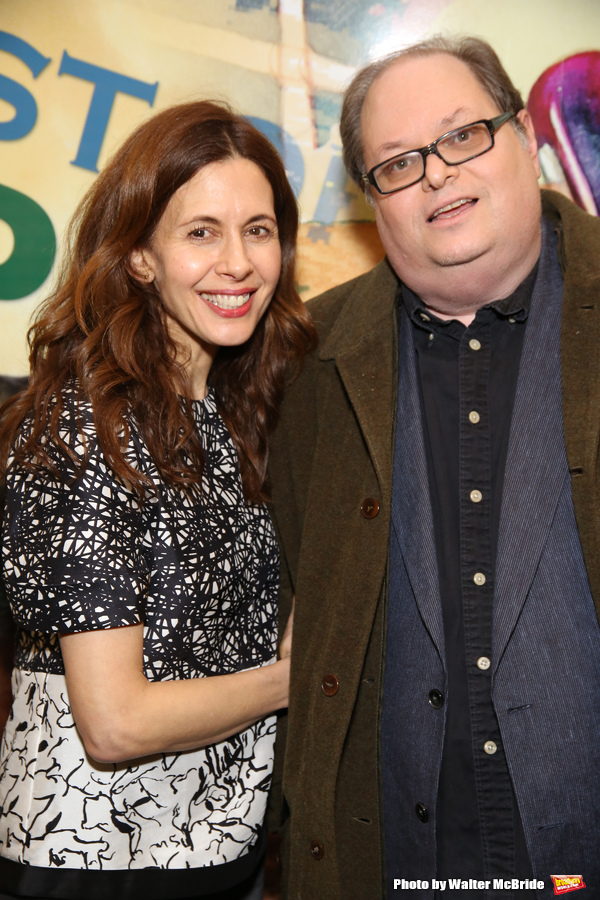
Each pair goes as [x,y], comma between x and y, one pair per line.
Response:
[398,166]
[462,137]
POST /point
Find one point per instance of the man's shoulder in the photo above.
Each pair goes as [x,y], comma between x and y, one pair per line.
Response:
[578,226]
[379,282]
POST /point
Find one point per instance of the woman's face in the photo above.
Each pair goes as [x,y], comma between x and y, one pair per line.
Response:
[215,258]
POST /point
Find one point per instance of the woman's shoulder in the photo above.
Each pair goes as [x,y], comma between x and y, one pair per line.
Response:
[66,418]
[71,445]
[75,416]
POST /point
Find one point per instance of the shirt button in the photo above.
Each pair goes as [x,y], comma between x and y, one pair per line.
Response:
[474,344]
[436,699]
[431,336]
[330,685]
[425,317]
[483,663]
[422,812]
[474,417]
[490,747]
[476,496]
[369,508]
[316,849]
[511,320]
[479,578]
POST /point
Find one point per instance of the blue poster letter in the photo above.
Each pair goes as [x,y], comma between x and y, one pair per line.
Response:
[107,85]
[14,93]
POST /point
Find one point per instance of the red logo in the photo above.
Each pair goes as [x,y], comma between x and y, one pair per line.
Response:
[563,884]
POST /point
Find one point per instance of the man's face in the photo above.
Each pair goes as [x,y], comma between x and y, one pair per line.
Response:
[490,239]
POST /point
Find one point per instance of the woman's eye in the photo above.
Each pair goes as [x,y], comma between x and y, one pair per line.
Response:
[199,232]
[259,231]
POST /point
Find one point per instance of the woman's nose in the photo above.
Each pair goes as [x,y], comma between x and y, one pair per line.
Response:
[234,259]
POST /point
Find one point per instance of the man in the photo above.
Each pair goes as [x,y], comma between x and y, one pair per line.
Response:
[435,492]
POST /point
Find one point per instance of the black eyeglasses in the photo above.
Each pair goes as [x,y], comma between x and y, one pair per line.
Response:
[455,147]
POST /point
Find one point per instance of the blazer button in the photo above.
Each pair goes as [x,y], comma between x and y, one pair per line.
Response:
[369,508]
[436,699]
[316,849]
[422,813]
[330,685]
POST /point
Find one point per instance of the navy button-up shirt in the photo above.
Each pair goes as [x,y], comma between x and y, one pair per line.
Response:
[468,378]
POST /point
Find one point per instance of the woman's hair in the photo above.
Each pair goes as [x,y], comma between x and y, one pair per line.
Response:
[103,329]
[476,53]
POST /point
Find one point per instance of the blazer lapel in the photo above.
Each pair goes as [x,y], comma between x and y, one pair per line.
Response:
[536,464]
[364,347]
[412,520]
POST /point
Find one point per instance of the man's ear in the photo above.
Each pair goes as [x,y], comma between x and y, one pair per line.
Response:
[140,266]
[368,194]
[529,138]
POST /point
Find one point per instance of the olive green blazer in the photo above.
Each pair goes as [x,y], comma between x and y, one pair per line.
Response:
[333,450]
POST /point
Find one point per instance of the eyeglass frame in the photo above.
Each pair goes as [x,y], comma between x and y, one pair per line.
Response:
[492,125]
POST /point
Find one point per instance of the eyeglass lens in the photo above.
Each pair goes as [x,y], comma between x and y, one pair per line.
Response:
[455,147]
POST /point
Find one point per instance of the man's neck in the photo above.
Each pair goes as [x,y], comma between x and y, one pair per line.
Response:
[465,317]
[458,292]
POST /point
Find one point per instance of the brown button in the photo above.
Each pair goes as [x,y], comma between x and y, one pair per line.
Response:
[369,508]
[316,849]
[330,685]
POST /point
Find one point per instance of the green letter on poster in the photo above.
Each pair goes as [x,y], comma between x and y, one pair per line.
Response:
[35,245]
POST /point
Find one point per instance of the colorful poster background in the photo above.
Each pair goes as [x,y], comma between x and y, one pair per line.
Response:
[77,75]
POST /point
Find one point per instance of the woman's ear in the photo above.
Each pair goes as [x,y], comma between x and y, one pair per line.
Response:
[140,267]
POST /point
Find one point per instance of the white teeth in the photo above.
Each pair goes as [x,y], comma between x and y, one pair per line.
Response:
[226,301]
[449,207]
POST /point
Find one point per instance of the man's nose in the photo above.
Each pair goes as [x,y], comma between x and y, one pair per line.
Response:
[234,259]
[437,171]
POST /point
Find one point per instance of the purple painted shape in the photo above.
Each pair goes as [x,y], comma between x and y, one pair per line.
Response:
[564,104]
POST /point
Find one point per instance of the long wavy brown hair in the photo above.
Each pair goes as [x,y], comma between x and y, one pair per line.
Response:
[103,330]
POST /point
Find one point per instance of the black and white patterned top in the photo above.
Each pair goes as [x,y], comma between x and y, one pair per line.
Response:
[199,569]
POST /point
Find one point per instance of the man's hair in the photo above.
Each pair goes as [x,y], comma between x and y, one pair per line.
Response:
[477,54]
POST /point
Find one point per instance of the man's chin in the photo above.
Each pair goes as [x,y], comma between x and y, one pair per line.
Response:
[459,256]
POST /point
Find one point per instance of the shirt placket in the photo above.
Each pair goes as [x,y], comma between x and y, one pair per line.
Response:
[477,581]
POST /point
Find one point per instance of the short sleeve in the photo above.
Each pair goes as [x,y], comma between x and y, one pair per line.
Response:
[74,555]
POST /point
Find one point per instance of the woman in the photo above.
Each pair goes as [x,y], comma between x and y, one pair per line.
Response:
[138,554]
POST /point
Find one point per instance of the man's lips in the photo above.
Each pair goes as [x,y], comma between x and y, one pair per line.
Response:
[452,209]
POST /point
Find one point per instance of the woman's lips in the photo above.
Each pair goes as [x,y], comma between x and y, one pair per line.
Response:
[228,305]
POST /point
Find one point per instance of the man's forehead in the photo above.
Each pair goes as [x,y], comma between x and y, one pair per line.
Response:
[462,115]
[436,93]
[424,66]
